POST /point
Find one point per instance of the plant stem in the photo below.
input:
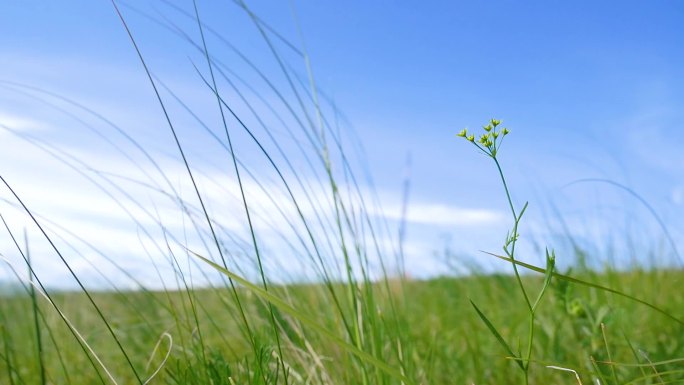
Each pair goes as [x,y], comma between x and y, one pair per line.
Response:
[514,235]
[530,338]
[514,239]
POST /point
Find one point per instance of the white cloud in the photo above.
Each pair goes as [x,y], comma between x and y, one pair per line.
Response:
[19,123]
[441,214]
[60,194]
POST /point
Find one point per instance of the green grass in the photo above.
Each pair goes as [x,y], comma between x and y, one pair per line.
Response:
[435,337]
[361,321]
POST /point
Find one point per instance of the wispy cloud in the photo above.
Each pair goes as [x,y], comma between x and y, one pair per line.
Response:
[442,214]
[19,123]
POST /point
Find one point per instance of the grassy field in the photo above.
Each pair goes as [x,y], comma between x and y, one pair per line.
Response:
[426,330]
[349,325]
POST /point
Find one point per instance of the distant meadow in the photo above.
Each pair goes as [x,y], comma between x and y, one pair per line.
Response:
[205,192]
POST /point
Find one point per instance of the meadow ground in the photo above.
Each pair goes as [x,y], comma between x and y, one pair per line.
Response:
[426,329]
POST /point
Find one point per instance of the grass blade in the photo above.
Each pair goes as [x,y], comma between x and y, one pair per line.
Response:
[496,334]
[590,284]
[308,321]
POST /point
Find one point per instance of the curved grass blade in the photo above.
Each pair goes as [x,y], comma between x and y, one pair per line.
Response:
[653,376]
[649,365]
[306,320]
[496,334]
[643,202]
[589,284]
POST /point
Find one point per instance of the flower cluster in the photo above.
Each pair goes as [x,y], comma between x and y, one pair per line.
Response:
[490,141]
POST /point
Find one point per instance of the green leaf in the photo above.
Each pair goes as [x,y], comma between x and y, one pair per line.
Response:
[589,284]
[497,335]
[550,266]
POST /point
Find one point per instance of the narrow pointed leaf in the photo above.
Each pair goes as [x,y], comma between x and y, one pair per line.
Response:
[496,334]
[589,284]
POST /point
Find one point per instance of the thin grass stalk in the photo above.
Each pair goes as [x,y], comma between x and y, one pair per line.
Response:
[30,290]
[326,276]
[7,356]
[242,192]
[34,306]
[189,171]
[78,281]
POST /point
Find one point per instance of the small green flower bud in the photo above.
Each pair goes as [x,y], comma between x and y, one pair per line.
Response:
[495,122]
[463,133]
[471,138]
[505,131]
[495,134]
[576,309]
[487,127]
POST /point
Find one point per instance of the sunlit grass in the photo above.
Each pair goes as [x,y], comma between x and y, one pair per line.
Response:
[442,341]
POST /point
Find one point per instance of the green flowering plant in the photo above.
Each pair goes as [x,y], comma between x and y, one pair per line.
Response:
[489,143]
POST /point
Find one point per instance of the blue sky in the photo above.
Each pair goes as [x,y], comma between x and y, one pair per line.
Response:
[589,91]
